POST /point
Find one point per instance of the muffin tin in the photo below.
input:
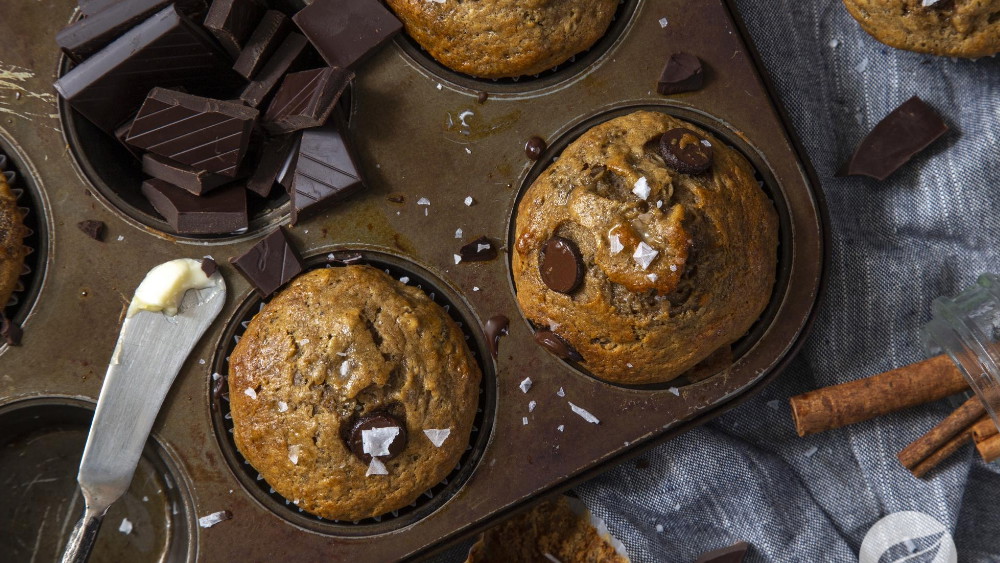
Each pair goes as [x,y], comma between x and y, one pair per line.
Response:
[420,132]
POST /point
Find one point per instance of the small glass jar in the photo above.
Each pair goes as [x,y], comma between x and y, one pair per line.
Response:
[967,328]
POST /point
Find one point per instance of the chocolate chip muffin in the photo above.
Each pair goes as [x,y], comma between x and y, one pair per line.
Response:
[12,249]
[504,38]
[954,28]
[352,393]
[647,246]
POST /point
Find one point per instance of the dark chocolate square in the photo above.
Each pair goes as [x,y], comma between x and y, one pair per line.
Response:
[325,171]
[270,264]
[220,212]
[346,32]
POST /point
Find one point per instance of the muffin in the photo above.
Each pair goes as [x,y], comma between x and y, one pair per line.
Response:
[352,393]
[12,249]
[647,246]
[504,38]
[552,529]
[954,28]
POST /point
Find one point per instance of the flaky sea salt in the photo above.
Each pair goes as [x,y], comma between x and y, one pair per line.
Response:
[652,277]
[664,22]
[584,414]
[561,427]
[458,258]
[404,279]
[659,204]
[926,3]
[525,384]
[531,406]
[616,244]
[560,392]
[659,528]
[437,436]
[214,518]
[524,421]
[345,367]
[641,188]
[282,406]
[249,392]
[675,391]
[834,43]
[376,467]
[458,233]
[644,255]
[125,527]
[551,557]
[482,247]
[469,201]
[376,441]
[423,201]
[475,288]
[810,451]
[673,267]
[293,453]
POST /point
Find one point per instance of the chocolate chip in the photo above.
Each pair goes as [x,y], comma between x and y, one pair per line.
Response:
[482,97]
[209,266]
[555,344]
[561,265]
[10,331]
[479,250]
[93,229]
[686,151]
[534,147]
[377,420]
[682,73]
[496,326]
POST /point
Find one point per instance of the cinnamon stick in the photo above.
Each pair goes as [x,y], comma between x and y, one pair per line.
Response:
[984,429]
[989,448]
[956,423]
[856,401]
[945,451]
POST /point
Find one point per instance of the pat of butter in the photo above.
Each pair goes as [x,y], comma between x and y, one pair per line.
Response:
[164,286]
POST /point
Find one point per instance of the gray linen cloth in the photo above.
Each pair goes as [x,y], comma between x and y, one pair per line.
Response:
[928,230]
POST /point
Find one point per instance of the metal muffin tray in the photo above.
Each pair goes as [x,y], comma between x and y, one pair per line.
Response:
[421,131]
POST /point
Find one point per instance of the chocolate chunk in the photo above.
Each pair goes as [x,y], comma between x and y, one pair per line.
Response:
[89,8]
[894,140]
[732,554]
[555,344]
[191,179]
[496,326]
[273,158]
[209,266]
[305,99]
[270,264]
[10,331]
[93,229]
[263,42]
[325,171]
[232,22]
[288,53]
[396,198]
[377,420]
[534,148]
[479,250]
[482,97]
[345,32]
[87,35]
[220,212]
[121,133]
[561,265]
[686,151]
[205,134]
[166,50]
[682,73]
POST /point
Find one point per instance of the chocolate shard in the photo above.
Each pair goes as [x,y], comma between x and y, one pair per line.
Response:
[345,32]
[191,179]
[87,35]
[305,99]
[276,152]
[202,133]
[166,50]
[288,53]
[263,42]
[209,266]
[909,129]
[270,264]
[479,250]
[220,212]
[325,171]
[93,229]
[732,554]
[682,73]
[232,22]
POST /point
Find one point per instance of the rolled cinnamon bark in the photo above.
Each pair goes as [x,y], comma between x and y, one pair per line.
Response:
[950,447]
[957,423]
[984,429]
[856,401]
[989,448]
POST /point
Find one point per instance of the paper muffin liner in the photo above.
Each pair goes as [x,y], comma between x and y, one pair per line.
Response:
[450,484]
[25,205]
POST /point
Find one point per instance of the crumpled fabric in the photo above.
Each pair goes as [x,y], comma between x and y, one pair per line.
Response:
[928,230]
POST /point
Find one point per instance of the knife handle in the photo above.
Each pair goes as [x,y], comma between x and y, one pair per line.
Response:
[83,536]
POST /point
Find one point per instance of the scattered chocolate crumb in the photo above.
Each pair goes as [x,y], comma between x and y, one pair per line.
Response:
[209,266]
[217,388]
[482,97]
[534,147]
[682,73]
[10,331]
[479,250]
[396,198]
[93,229]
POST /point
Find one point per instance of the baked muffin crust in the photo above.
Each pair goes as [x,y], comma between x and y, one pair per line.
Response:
[953,28]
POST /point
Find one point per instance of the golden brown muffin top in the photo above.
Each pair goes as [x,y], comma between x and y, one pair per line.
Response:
[953,28]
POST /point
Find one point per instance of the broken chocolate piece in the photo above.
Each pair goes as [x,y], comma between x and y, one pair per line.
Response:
[305,99]
[682,73]
[10,331]
[325,171]
[166,50]
[191,179]
[209,266]
[232,22]
[93,229]
[205,134]
[561,266]
[345,32]
[686,151]
[87,35]
[265,40]
[555,344]
[895,140]
[221,212]
[260,89]
[377,420]
[534,148]
[732,554]
[479,250]
[273,157]
[496,326]
[270,264]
